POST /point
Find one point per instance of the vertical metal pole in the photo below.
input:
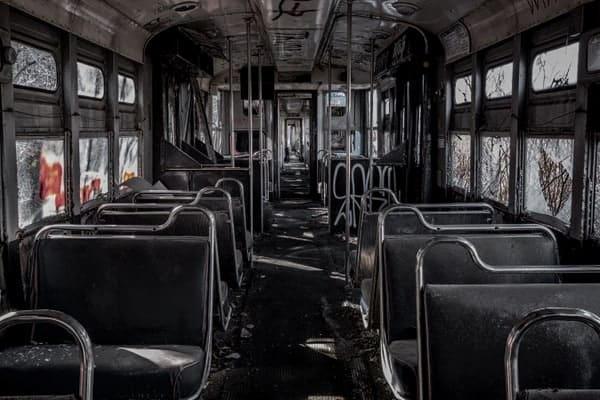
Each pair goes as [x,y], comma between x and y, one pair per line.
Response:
[330,188]
[231,119]
[370,141]
[348,131]
[261,143]
[250,133]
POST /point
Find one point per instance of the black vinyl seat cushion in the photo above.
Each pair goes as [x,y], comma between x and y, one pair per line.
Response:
[559,394]
[405,363]
[122,372]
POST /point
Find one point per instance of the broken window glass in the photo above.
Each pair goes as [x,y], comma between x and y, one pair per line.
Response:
[93,168]
[126,90]
[460,161]
[555,69]
[40,178]
[128,157]
[597,194]
[594,54]
[494,168]
[462,90]
[34,68]
[90,81]
[548,179]
[498,81]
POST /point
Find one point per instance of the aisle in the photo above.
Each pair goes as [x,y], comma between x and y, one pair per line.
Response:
[296,336]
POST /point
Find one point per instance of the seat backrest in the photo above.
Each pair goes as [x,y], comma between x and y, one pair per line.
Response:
[128,290]
[399,223]
[450,263]
[188,223]
[467,329]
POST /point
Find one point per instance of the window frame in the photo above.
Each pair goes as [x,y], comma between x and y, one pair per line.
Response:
[488,67]
[462,75]
[95,64]
[553,45]
[127,74]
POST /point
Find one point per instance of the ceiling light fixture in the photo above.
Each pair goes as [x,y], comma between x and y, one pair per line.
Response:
[404,8]
[184,7]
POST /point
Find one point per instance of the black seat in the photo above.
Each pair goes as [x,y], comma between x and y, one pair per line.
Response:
[187,223]
[467,329]
[145,302]
[398,293]
[400,222]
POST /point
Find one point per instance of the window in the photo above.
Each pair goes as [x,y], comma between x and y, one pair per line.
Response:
[40,174]
[93,166]
[90,81]
[34,68]
[498,81]
[128,157]
[548,178]
[462,90]
[495,168]
[555,69]
[460,161]
[126,90]
[593,59]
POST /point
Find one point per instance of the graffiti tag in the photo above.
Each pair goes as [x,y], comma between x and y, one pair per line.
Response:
[294,11]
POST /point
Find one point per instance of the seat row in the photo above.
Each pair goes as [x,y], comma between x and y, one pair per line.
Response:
[452,294]
[127,301]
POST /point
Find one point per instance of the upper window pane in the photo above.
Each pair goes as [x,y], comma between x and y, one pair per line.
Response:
[40,178]
[93,167]
[594,54]
[34,68]
[126,90]
[555,69]
[498,81]
[90,81]
[462,90]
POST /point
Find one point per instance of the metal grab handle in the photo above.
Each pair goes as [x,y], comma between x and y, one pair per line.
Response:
[461,228]
[212,189]
[175,212]
[158,193]
[458,206]
[513,343]
[75,329]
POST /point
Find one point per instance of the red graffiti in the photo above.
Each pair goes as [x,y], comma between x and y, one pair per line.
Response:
[51,182]
[88,192]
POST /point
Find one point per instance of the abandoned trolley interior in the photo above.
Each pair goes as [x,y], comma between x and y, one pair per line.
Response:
[300,199]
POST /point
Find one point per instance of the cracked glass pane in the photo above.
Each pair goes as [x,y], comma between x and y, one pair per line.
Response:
[548,177]
[555,68]
[40,177]
[93,168]
[34,68]
[495,172]
[498,81]
[462,90]
[128,157]
[460,161]
[126,90]
[90,81]
[597,194]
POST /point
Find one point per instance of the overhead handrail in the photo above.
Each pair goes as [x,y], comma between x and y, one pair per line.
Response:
[74,328]
[536,317]
[482,265]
